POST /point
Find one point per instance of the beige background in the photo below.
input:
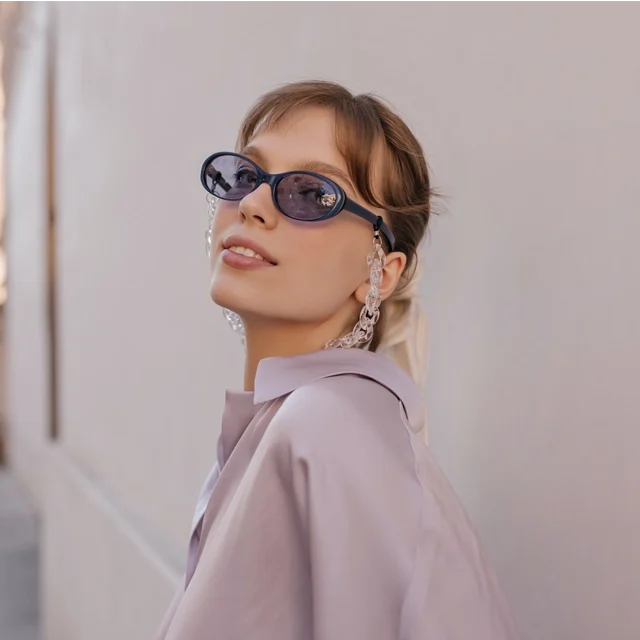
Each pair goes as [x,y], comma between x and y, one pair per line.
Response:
[529,117]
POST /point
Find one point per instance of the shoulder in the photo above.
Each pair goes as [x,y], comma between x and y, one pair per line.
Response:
[346,403]
[345,421]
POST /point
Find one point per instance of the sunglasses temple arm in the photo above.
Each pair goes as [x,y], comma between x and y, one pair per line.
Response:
[376,221]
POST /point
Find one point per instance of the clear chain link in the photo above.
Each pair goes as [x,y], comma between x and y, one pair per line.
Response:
[235,321]
[212,200]
[370,313]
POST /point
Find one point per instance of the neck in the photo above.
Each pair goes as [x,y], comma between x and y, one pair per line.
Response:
[281,338]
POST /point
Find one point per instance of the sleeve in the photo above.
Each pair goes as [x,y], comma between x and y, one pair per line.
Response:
[355,495]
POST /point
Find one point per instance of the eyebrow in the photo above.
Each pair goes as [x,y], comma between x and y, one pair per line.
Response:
[306,165]
[253,153]
[323,167]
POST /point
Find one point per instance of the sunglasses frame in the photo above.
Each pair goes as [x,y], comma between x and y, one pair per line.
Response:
[273,179]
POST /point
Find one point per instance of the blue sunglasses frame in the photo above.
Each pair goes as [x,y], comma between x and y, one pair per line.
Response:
[273,179]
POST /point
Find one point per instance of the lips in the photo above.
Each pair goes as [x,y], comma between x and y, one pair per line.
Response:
[241,241]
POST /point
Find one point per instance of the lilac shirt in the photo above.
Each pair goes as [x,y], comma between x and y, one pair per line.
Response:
[327,518]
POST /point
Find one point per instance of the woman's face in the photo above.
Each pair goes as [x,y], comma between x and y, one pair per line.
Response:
[320,273]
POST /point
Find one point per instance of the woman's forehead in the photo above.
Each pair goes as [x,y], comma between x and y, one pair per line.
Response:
[306,139]
[301,135]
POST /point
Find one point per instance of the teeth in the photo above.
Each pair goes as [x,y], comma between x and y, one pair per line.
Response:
[243,251]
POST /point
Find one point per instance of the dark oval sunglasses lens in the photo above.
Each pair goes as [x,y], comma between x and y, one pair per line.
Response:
[305,197]
[230,177]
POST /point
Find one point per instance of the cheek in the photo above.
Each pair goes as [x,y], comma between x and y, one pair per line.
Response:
[324,272]
[226,213]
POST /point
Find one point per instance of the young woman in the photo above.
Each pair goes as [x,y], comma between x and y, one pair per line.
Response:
[325,516]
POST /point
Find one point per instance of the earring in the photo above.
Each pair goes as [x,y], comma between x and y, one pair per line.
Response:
[370,313]
[235,321]
[212,200]
[232,318]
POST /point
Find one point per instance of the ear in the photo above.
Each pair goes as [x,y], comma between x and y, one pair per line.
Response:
[394,266]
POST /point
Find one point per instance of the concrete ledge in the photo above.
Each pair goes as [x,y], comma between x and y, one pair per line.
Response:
[19,560]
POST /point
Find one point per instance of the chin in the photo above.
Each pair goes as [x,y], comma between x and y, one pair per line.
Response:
[224,289]
[223,296]
[234,296]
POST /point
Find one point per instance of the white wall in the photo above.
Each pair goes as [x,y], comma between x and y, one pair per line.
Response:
[26,331]
[528,114]
[535,303]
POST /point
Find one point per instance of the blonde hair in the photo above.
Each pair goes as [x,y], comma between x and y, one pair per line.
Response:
[402,188]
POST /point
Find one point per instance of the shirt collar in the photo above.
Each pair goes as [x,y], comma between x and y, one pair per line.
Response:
[239,410]
[279,375]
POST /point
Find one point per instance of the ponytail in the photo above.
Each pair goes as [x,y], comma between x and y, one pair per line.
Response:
[404,337]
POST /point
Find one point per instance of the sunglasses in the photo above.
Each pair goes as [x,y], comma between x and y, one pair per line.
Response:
[301,195]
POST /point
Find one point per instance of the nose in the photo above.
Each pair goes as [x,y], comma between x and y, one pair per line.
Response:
[258,207]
